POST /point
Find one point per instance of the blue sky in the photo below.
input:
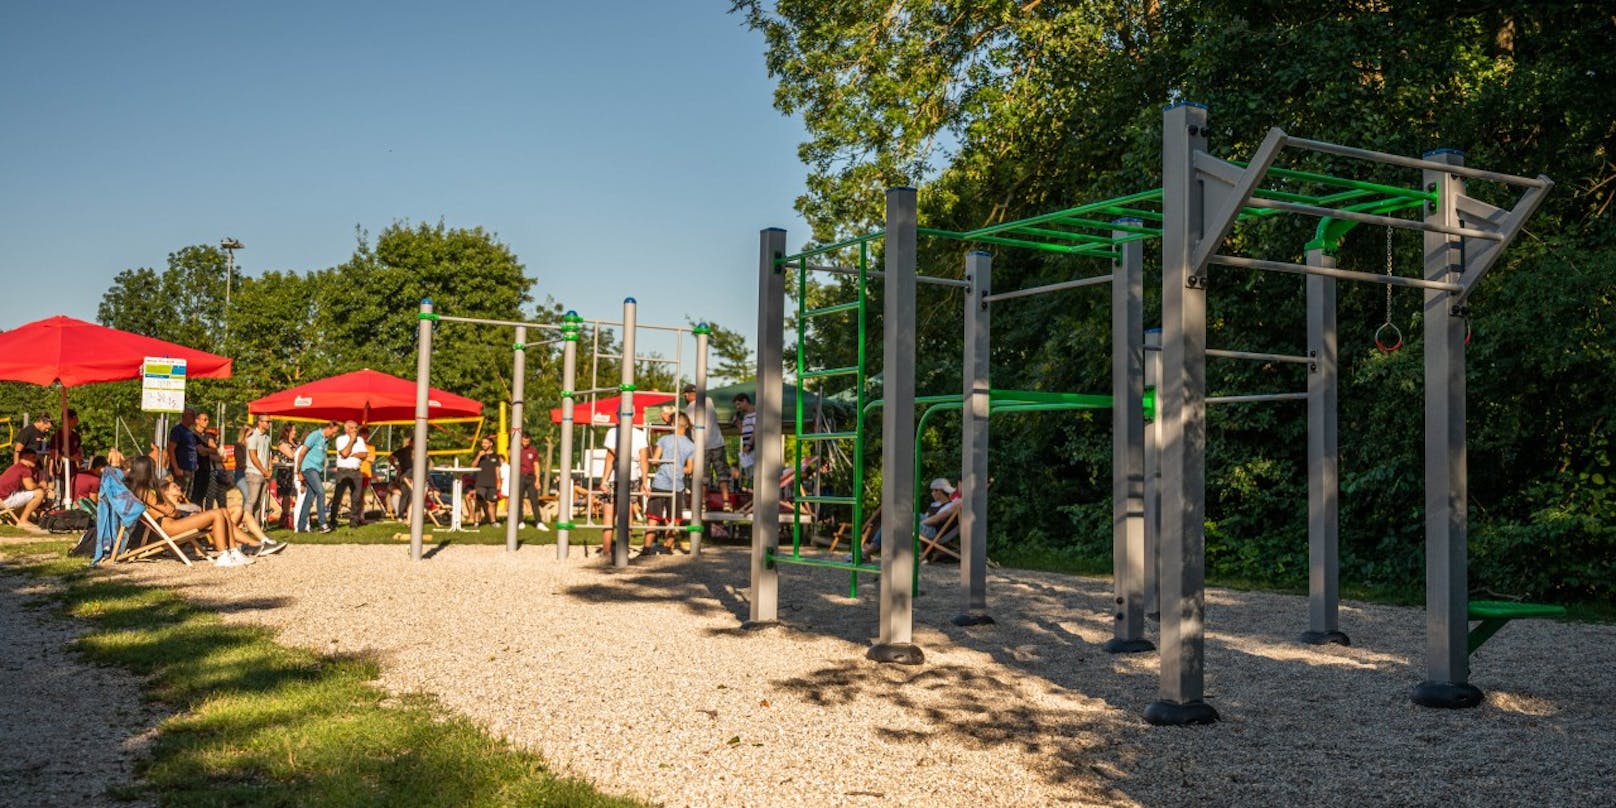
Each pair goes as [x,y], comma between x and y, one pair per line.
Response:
[620,148]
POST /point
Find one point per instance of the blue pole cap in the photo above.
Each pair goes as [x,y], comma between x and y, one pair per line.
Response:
[630,300]
[426,301]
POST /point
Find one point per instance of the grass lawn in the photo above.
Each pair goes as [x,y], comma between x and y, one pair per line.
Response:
[257,724]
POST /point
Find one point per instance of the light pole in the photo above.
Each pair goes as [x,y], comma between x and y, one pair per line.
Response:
[229,245]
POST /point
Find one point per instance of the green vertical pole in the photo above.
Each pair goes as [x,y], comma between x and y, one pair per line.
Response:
[796,449]
[858,421]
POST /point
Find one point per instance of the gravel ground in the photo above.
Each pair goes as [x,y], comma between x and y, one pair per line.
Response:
[642,681]
[68,730]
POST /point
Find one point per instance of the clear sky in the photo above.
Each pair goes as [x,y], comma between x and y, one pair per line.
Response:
[620,149]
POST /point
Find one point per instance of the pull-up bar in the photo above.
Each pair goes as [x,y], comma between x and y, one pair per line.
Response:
[1413,162]
[1370,218]
[876,273]
[1331,272]
[1052,287]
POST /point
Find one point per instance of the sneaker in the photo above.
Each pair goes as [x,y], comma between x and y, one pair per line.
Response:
[241,558]
[270,547]
[325,528]
[228,560]
[543,528]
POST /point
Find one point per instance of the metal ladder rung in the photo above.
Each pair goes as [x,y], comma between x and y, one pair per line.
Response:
[833,309]
[828,500]
[826,435]
[820,374]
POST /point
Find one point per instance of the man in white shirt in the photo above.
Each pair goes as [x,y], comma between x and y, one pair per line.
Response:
[717,460]
[351,452]
[639,456]
[258,468]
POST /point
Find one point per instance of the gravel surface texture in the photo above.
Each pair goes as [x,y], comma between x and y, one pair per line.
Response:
[643,681]
[68,730]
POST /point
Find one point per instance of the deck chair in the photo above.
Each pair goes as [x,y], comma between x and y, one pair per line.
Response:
[845,529]
[947,534]
[8,516]
[156,541]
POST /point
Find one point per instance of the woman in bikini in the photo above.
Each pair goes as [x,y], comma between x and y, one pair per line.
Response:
[160,500]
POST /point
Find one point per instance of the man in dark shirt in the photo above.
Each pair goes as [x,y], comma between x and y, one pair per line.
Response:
[35,436]
[182,450]
[404,475]
[207,457]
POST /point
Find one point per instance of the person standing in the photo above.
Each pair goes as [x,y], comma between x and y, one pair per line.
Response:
[207,453]
[288,483]
[675,461]
[403,459]
[311,469]
[746,419]
[488,482]
[639,451]
[258,467]
[716,459]
[182,448]
[351,453]
[527,491]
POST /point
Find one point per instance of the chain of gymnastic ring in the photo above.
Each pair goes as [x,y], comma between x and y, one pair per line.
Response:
[1397,333]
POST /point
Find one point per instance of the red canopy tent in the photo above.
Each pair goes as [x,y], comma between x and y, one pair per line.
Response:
[603,412]
[368,396]
[73,352]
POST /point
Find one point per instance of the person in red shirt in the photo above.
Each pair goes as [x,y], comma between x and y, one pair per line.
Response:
[527,461]
[87,483]
[20,490]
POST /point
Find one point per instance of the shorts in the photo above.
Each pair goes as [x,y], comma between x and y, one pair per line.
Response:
[717,463]
[662,507]
[487,493]
[20,498]
[608,493]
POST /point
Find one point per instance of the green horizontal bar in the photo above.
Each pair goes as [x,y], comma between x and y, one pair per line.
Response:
[1085,238]
[1049,217]
[828,500]
[1342,182]
[1134,213]
[830,247]
[824,562]
[1125,228]
[1042,397]
[839,307]
[827,435]
[820,374]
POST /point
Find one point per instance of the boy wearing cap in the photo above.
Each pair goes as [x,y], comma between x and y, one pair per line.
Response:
[942,501]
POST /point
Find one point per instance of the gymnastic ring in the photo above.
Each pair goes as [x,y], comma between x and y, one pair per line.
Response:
[1381,343]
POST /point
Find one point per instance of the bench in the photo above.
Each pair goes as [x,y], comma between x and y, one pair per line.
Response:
[1495,614]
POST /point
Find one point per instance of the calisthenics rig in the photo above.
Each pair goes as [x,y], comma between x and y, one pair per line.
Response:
[568,332]
[1201,200]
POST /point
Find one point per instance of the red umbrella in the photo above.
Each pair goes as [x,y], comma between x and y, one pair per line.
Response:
[367,396]
[73,352]
[604,410]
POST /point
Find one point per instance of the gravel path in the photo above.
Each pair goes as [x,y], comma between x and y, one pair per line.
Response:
[68,731]
[642,681]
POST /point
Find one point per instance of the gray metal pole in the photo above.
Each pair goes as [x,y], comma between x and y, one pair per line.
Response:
[1128,446]
[421,476]
[1182,408]
[1447,662]
[766,445]
[1323,480]
[1153,432]
[569,378]
[513,487]
[699,484]
[624,510]
[896,641]
[974,425]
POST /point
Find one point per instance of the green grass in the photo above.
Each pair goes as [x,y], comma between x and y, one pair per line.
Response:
[257,724]
[383,532]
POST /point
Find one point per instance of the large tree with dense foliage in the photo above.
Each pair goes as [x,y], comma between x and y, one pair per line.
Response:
[1000,110]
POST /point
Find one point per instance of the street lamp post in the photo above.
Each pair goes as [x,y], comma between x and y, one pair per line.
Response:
[229,245]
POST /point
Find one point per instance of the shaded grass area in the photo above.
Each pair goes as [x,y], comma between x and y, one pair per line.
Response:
[390,532]
[257,724]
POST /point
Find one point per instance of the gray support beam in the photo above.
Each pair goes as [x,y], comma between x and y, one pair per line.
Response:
[766,444]
[974,424]
[623,507]
[1323,486]
[896,641]
[421,479]
[1128,447]
[1182,408]
[1447,664]
[699,424]
[513,487]
[569,378]
[1153,431]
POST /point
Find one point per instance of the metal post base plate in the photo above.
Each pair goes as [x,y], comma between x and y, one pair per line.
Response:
[758,625]
[1173,714]
[1325,638]
[1117,645]
[968,619]
[901,653]
[1447,695]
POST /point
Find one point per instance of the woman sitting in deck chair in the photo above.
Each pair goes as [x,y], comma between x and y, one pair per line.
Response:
[163,501]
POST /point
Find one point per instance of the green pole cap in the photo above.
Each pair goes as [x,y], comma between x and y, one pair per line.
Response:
[701,328]
[627,388]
